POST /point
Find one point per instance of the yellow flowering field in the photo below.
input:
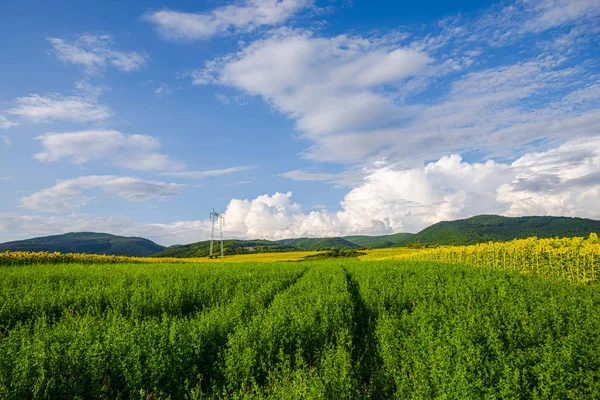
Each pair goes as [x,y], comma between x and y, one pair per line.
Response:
[575,259]
[25,258]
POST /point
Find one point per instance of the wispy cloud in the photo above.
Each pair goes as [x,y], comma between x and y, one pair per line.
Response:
[131,151]
[348,178]
[163,89]
[206,173]
[249,15]
[564,180]
[409,98]
[5,123]
[95,52]
[70,194]
[52,107]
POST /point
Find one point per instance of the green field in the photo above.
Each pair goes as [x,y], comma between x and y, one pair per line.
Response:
[320,329]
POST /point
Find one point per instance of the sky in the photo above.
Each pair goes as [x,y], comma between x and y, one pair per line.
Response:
[294,118]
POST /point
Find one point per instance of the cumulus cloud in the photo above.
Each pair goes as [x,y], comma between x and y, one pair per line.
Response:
[327,85]
[131,151]
[561,181]
[70,194]
[94,53]
[387,201]
[246,16]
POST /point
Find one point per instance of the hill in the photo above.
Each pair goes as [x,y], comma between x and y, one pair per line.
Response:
[312,244]
[379,242]
[87,242]
[485,228]
[202,249]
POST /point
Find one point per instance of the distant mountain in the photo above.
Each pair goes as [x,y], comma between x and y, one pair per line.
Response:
[379,242]
[485,228]
[87,242]
[479,229]
[311,244]
[202,249]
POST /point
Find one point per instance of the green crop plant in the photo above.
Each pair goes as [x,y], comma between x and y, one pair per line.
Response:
[339,328]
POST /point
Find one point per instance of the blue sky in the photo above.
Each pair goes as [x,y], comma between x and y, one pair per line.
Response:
[294,117]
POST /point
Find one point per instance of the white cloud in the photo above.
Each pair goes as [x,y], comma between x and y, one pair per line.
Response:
[129,151]
[300,175]
[347,178]
[506,22]
[358,99]
[70,194]
[327,85]
[247,16]
[553,13]
[5,123]
[206,173]
[96,52]
[137,152]
[561,181]
[36,108]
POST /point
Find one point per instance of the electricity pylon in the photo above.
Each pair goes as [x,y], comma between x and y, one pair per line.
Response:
[216,218]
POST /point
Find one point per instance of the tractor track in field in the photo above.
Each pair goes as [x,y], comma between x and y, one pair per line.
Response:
[365,354]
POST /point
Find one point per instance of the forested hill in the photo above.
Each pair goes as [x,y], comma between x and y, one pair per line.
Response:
[311,244]
[479,229]
[202,249]
[485,228]
[379,242]
[87,242]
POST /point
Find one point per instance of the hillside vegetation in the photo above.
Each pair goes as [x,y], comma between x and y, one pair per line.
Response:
[486,228]
[87,243]
[479,229]
[230,247]
[379,242]
[311,244]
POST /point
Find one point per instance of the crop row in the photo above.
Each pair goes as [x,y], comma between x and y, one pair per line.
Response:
[441,331]
[89,352]
[318,330]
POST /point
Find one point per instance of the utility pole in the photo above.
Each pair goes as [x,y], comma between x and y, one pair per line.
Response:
[216,218]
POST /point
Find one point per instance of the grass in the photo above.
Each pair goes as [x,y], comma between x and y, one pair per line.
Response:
[338,328]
